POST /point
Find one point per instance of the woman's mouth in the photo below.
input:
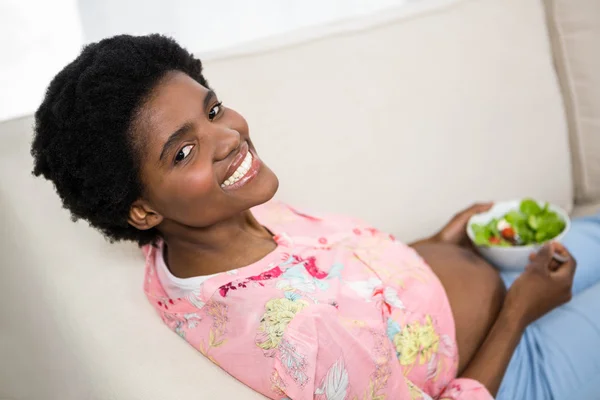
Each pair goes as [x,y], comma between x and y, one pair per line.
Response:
[244,167]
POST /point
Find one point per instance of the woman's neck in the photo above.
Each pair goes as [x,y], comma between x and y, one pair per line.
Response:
[231,244]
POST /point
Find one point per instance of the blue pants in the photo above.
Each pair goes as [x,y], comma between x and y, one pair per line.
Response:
[559,355]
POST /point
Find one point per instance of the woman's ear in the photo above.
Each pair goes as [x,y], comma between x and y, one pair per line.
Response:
[142,216]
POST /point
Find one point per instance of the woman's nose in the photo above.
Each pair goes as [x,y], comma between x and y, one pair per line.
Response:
[227,140]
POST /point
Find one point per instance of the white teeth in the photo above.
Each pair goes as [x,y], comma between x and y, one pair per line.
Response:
[240,171]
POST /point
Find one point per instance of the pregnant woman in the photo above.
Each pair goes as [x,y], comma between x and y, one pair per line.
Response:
[298,305]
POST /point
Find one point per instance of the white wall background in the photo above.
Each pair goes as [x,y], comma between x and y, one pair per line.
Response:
[207,25]
[39,37]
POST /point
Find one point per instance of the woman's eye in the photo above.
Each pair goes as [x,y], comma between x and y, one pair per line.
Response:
[183,153]
[215,111]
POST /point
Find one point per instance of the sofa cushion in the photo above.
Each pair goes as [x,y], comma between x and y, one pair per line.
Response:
[404,118]
[575,31]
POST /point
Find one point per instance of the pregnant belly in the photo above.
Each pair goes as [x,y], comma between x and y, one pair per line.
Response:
[475,292]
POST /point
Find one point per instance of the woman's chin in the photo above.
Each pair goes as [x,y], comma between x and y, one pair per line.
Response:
[267,185]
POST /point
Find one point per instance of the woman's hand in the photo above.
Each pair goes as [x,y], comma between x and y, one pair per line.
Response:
[544,285]
[455,231]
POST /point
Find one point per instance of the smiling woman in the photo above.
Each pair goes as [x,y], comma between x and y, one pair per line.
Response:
[194,152]
[294,305]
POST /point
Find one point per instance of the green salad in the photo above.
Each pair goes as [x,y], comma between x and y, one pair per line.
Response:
[530,224]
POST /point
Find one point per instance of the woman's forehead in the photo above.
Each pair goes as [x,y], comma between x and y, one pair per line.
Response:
[176,100]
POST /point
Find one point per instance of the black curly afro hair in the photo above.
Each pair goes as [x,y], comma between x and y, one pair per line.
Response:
[83,139]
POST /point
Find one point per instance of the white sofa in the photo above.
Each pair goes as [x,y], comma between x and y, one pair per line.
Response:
[400,118]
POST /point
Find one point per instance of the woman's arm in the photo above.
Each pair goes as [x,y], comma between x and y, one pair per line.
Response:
[490,362]
[543,286]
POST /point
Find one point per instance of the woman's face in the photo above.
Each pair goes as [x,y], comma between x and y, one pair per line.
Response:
[198,164]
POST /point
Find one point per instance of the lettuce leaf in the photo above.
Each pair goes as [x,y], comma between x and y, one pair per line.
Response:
[530,207]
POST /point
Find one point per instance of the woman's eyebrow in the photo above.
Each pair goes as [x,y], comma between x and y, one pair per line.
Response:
[175,137]
[185,128]
[210,95]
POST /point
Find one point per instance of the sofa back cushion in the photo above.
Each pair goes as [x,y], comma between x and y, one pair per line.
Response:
[575,32]
[405,117]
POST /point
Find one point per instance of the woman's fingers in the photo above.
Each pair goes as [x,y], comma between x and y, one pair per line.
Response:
[552,257]
[544,255]
[544,259]
[474,209]
[455,231]
[567,264]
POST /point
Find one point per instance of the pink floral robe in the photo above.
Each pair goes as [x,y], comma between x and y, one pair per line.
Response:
[337,311]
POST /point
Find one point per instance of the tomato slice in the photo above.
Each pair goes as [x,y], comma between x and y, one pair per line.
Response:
[508,233]
[494,240]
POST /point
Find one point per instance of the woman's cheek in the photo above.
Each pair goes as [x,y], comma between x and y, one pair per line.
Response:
[197,184]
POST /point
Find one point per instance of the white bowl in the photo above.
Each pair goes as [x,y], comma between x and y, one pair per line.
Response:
[517,257]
